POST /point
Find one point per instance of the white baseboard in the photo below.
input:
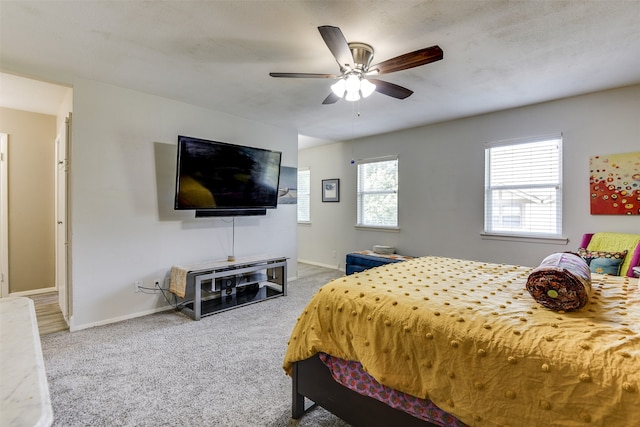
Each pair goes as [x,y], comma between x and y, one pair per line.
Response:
[32,292]
[73,328]
[319,264]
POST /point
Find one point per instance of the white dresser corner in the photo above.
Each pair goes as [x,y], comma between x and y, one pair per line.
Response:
[24,390]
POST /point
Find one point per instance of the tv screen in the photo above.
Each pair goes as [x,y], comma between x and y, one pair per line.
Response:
[217,176]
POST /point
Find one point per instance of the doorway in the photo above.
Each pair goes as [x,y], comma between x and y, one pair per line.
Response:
[18,118]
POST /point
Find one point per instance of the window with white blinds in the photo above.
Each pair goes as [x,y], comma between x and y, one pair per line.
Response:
[377,196]
[523,187]
[304,195]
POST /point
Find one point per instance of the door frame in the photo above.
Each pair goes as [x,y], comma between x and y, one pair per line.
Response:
[62,233]
[4,220]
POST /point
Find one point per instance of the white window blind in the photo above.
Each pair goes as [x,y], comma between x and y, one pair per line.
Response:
[304,195]
[377,194]
[523,187]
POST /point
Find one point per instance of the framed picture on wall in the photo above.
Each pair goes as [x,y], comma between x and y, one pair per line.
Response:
[330,190]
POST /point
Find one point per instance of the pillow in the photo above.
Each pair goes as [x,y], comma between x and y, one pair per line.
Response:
[562,282]
[617,242]
[603,262]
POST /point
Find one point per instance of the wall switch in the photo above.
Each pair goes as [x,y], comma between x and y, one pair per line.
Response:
[137,285]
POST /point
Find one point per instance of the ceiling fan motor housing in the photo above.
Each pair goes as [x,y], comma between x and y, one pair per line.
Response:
[362,55]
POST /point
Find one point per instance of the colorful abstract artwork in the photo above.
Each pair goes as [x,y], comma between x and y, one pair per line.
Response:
[614,182]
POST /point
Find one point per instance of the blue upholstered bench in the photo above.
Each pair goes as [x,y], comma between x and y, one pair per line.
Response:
[364,260]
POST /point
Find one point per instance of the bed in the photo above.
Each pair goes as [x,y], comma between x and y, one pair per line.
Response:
[467,338]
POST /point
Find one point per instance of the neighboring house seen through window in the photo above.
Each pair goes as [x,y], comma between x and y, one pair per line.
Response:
[523,187]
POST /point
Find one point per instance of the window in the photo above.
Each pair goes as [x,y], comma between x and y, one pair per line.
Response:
[304,195]
[378,192]
[523,187]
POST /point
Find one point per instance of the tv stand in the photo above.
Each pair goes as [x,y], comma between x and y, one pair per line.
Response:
[219,286]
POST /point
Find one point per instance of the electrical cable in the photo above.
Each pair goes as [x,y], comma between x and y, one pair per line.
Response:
[173,304]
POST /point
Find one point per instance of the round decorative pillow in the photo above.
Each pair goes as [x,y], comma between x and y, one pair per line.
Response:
[562,282]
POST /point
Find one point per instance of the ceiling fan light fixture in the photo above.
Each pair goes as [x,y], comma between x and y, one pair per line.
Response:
[353,87]
[339,88]
[352,83]
[352,96]
[366,88]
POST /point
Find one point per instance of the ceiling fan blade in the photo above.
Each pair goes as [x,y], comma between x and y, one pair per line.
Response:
[391,89]
[331,99]
[409,60]
[305,75]
[337,44]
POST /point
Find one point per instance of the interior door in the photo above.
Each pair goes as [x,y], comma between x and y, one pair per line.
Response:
[62,228]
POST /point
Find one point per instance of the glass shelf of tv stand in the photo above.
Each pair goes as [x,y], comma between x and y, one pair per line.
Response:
[228,285]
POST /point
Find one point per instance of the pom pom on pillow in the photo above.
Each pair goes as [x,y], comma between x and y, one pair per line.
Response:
[603,262]
[562,282]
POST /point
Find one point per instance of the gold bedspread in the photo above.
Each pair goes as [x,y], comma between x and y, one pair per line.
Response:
[468,336]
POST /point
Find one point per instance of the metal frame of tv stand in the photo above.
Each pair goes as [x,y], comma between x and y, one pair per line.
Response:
[276,273]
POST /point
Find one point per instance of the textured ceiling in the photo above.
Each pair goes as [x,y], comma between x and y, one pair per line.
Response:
[217,54]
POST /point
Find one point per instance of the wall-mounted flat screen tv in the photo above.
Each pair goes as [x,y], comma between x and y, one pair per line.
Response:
[221,179]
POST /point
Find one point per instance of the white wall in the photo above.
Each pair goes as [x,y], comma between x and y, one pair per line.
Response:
[122,184]
[441,176]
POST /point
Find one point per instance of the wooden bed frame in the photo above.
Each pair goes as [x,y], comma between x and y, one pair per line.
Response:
[312,379]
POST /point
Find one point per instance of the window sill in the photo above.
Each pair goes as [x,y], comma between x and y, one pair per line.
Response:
[526,239]
[378,228]
[307,223]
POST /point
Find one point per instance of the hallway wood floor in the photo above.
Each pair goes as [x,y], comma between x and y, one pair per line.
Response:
[48,313]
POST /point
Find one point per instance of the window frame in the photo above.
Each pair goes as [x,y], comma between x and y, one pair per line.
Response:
[303,196]
[507,233]
[360,194]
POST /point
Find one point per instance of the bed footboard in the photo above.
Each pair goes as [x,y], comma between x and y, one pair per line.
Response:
[312,380]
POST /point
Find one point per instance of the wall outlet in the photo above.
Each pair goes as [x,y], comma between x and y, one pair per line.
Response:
[137,285]
[156,284]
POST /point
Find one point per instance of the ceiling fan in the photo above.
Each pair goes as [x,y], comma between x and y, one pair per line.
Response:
[354,81]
